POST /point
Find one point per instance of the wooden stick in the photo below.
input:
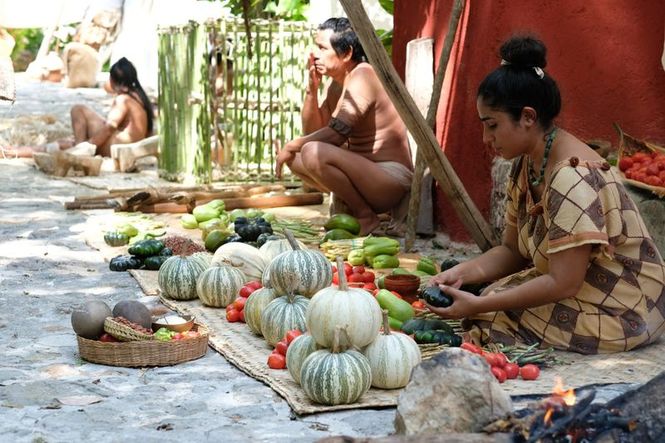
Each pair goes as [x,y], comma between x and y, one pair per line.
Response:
[416,185]
[441,169]
[309,198]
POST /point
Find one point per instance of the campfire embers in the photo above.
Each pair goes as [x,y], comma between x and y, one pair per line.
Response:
[564,417]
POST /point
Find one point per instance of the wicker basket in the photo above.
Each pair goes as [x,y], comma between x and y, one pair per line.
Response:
[628,146]
[123,332]
[145,352]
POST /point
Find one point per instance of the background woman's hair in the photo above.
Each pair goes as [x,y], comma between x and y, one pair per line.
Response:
[123,74]
[516,84]
[344,38]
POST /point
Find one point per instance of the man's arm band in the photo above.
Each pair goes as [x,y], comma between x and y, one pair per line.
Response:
[340,127]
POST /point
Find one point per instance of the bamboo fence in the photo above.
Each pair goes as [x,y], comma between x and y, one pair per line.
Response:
[236,131]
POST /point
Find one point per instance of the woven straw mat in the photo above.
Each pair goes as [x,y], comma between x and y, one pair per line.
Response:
[229,339]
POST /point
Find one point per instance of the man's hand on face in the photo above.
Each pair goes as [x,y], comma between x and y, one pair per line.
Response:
[314,75]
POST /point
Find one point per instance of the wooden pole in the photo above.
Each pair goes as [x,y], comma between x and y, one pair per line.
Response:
[440,167]
[416,185]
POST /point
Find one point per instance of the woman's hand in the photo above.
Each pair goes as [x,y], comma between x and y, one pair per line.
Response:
[464,304]
[450,277]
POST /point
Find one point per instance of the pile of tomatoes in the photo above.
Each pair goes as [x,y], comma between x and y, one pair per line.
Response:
[235,312]
[356,277]
[277,358]
[645,168]
[501,368]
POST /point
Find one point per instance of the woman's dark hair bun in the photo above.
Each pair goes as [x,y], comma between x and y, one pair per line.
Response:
[524,51]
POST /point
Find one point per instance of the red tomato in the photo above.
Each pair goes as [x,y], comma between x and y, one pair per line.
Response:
[369,287]
[239,303]
[246,291]
[397,294]
[368,277]
[232,315]
[254,284]
[472,348]
[529,372]
[276,361]
[501,359]
[376,291]
[358,269]
[355,278]
[653,180]
[640,157]
[229,307]
[108,338]
[281,347]
[499,373]
[653,169]
[334,268]
[625,163]
[335,280]
[292,334]
[512,370]
[493,359]
[348,269]
[242,316]
[419,305]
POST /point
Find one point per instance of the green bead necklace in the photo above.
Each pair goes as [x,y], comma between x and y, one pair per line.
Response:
[535,181]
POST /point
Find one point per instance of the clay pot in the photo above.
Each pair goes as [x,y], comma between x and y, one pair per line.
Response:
[406,285]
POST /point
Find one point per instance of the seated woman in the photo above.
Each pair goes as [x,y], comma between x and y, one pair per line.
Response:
[129,120]
[577,269]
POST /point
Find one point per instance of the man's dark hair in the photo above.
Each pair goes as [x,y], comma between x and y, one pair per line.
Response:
[344,38]
[518,83]
[123,74]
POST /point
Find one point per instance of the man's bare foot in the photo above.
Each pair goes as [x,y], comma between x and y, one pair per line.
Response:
[368,224]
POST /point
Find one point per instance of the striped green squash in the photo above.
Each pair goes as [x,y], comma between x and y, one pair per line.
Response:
[205,256]
[281,315]
[298,350]
[272,248]
[177,277]
[245,257]
[331,377]
[254,307]
[302,271]
[218,285]
[392,357]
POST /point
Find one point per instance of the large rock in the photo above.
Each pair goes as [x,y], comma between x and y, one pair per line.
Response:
[452,392]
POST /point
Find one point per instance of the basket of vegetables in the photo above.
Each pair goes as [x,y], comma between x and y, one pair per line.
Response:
[163,348]
[641,164]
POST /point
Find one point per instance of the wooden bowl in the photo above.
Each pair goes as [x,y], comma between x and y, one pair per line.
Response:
[406,285]
[167,321]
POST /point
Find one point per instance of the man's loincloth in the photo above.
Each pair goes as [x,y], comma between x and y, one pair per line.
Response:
[399,172]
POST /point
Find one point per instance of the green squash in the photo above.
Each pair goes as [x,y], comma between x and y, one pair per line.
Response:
[335,377]
[282,315]
[115,238]
[177,277]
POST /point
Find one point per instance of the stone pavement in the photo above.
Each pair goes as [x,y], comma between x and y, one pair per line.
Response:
[45,387]
[47,393]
